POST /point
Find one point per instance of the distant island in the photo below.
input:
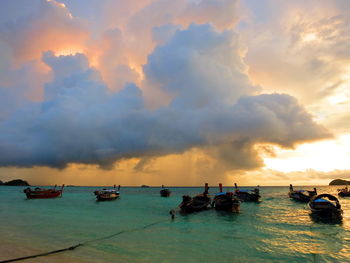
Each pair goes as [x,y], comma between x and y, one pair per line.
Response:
[16,182]
[339,182]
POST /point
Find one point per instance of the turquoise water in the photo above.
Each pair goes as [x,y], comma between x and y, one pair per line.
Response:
[275,230]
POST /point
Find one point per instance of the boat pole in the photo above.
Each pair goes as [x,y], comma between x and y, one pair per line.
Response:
[206,188]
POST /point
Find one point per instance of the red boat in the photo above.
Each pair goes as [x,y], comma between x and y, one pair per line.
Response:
[41,193]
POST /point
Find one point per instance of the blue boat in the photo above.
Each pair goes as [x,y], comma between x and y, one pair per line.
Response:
[301,195]
[326,205]
[226,201]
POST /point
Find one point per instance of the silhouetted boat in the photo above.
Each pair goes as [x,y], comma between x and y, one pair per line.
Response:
[344,192]
[42,193]
[225,201]
[107,194]
[165,192]
[194,204]
[301,195]
[247,195]
[326,205]
[145,186]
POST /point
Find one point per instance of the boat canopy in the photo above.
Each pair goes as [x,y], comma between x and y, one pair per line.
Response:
[109,191]
[320,200]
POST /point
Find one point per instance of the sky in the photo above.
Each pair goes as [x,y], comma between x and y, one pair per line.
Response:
[131,92]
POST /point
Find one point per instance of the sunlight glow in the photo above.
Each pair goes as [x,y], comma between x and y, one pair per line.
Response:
[69,51]
[309,37]
[322,156]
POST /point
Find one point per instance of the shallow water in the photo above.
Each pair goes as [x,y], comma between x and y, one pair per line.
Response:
[275,230]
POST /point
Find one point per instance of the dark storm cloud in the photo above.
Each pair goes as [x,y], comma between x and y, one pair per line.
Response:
[214,106]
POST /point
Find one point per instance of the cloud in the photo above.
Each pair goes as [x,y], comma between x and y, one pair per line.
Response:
[41,26]
[213,107]
[301,48]
[207,64]
[306,177]
[26,30]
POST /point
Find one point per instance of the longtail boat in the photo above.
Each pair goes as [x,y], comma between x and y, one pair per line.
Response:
[247,195]
[107,194]
[326,205]
[197,203]
[344,192]
[42,193]
[226,201]
[165,192]
[301,195]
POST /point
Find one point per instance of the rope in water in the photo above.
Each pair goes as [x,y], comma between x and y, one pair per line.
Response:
[83,243]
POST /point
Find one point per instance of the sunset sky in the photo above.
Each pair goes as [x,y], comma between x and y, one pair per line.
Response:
[131,92]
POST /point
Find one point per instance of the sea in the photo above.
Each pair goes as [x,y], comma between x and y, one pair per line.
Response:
[138,228]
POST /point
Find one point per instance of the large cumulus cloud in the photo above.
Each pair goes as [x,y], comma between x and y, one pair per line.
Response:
[302,48]
[27,30]
[38,27]
[213,106]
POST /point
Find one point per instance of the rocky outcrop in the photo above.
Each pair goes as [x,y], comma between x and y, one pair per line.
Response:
[16,182]
[339,182]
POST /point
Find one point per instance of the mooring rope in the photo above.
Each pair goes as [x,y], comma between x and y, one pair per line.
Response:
[83,243]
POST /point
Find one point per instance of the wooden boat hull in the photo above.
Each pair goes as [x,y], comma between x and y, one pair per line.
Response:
[43,194]
[297,196]
[328,213]
[165,193]
[322,207]
[344,194]
[247,197]
[107,197]
[226,203]
[195,204]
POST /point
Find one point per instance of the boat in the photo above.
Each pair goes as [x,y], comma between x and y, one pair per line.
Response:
[301,195]
[42,193]
[144,186]
[165,192]
[226,201]
[197,203]
[325,205]
[247,195]
[344,192]
[107,194]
